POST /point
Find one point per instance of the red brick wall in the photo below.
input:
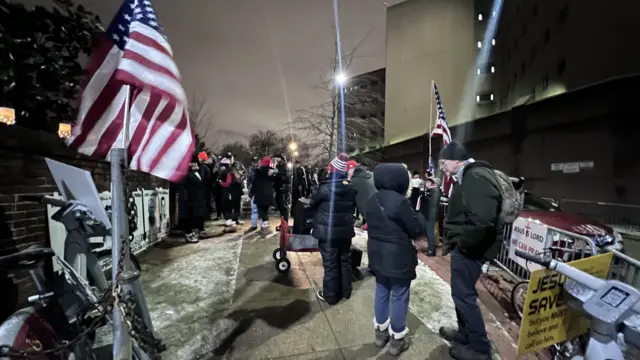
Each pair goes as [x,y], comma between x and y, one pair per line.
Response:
[23,171]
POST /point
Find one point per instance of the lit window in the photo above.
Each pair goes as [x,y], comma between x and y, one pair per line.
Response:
[491,97]
[493,41]
[478,71]
[479,17]
[493,69]
[478,98]
[493,13]
[479,44]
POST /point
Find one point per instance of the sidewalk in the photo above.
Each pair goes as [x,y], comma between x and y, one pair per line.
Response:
[223,299]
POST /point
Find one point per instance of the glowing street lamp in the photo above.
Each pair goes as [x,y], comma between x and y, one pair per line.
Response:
[341,79]
[293,146]
[295,153]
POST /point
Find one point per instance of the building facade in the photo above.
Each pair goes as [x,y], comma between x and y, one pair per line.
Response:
[487,59]
[365,111]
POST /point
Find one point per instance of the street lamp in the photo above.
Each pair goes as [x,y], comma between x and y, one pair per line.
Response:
[293,146]
[341,79]
[295,153]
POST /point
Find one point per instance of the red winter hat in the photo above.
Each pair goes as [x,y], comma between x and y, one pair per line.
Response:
[351,164]
[203,156]
[265,162]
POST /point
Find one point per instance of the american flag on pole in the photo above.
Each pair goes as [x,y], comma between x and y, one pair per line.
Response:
[442,129]
[134,58]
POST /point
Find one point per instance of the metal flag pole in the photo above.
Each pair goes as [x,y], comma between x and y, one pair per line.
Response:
[129,277]
[119,237]
[430,118]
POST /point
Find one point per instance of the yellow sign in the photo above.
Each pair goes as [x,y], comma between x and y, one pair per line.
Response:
[546,318]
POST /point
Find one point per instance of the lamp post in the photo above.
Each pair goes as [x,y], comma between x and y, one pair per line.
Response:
[293,146]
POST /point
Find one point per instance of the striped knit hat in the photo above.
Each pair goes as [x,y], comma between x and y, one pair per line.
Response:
[339,163]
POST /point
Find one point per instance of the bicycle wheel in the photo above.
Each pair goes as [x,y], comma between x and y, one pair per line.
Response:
[518,295]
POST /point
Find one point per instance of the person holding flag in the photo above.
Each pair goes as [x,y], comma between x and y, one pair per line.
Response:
[442,129]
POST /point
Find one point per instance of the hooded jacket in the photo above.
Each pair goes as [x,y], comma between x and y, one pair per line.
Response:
[262,186]
[392,225]
[332,224]
[362,180]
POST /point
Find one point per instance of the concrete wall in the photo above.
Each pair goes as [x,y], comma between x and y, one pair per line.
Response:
[426,40]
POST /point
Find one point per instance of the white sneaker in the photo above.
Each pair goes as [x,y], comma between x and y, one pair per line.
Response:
[229,223]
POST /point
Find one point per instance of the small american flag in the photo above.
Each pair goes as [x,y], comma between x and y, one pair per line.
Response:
[442,129]
[134,51]
[431,168]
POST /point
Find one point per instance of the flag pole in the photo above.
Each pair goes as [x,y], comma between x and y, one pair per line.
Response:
[430,118]
[119,237]
[129,278]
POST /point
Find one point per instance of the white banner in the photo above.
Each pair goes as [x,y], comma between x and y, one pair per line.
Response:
[529,236]
[153,225]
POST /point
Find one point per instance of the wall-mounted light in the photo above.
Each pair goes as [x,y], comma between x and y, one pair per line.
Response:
[479,17]
[64,130]
[7,116]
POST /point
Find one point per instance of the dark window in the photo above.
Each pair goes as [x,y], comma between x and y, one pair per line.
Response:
[508,86]
[533,54]
[523,67]
[486,69]
[562,66]
[535,10]
[518,8]
[524,29]
[547,36]
[564,13]
[484,98]
[374,83]
[382,114]
[509,55]
[515,44]
[545,82]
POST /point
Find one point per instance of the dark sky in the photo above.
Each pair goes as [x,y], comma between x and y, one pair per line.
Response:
[224,52]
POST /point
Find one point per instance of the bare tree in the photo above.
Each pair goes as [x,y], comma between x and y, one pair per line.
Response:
[266,143]
[322,126]
[202,124]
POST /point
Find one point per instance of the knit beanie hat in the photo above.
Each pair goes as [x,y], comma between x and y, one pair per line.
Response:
[339,163]
[265,162]
[351,164]
[454,151]
[202,156]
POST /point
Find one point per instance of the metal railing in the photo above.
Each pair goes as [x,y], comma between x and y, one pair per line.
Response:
[620,216]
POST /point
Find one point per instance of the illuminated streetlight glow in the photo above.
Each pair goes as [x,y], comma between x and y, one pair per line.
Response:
[295,153]
[289,165]
[341,79]
[293,146]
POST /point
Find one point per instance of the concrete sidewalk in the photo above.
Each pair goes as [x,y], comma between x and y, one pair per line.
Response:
[223,299]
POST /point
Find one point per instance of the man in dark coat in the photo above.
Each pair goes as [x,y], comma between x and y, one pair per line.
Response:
[281,186]
[195,190]
[261,191]
[473,234]
[334,203]
[394,234]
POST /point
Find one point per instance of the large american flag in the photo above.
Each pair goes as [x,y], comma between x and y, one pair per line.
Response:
[442,129]
[134,51]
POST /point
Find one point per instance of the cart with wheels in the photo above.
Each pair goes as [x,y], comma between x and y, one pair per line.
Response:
[291,243]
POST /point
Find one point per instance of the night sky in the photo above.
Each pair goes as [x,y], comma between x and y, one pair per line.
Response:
[224,52]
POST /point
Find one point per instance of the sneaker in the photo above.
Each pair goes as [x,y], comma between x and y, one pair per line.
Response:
[464,352]
[203,235]
[191,238]
[452,335]
[229,223]
[398,342]
[252,228]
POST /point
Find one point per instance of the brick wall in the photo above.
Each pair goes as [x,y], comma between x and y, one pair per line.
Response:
[23,171]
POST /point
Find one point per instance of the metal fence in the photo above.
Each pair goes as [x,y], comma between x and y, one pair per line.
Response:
[620,216]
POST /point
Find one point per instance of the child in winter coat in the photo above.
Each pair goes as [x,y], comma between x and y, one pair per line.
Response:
[395,233]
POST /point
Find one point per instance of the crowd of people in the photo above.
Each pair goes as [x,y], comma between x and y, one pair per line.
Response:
[398,209]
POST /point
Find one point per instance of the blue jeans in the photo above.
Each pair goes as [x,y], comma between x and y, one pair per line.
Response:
[254,213]
[398,292]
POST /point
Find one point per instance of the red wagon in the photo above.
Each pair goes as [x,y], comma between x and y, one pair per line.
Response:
[292,243]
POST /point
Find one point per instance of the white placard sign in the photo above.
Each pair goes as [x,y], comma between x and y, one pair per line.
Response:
[571,168]
[151,215]
[587,164]
[556,166]
[163,211]
[530,236]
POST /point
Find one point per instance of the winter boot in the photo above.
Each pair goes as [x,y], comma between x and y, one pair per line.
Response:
[191,238]
[382,333]
[399,342]
[265,229]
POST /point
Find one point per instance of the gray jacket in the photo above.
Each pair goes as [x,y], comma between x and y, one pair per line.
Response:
[362,180]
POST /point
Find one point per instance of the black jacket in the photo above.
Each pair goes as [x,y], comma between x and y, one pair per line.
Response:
[195,190]
[362,179]
[392,225]
[472,221]
[282,177]
[333,226]
[262,186]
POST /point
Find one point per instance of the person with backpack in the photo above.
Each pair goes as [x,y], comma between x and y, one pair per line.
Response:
[483,200]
